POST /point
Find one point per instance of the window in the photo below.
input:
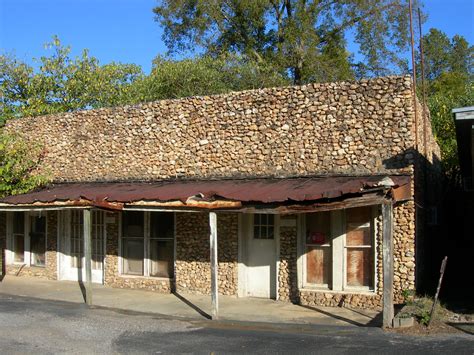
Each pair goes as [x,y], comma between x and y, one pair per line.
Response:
[18,237]
[339,250]
[359,250]
[77,239]
[148,244]
[38,239]
[318,249]
[263,226]
[77,235]
[28,238]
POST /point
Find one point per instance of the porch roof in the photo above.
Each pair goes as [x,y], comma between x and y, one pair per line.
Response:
[209,194]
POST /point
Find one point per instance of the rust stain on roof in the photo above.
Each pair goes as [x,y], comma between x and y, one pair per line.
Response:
[197,193]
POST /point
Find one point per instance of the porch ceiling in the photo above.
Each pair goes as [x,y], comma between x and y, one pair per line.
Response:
[208,194]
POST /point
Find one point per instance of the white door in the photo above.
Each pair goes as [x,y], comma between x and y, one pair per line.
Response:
[261,256]
[72,246]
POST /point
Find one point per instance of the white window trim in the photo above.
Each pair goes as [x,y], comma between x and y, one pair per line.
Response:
[339,256]
[10,253]
[146,242]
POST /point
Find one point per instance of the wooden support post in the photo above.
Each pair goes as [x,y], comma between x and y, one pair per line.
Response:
[88,255]
[214,265]
[387,251]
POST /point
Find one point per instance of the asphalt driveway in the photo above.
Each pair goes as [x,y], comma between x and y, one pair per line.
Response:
[30,325]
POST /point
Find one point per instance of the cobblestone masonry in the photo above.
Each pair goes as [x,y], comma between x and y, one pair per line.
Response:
[348,128]
[193,273]
[335,128]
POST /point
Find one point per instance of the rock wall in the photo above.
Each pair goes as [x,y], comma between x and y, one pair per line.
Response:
[193,272]
[334,128]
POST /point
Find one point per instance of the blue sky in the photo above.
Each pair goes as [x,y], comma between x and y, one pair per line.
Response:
[124,30]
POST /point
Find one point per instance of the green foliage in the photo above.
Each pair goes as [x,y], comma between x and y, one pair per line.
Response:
[304,38]
[61,84]
[449,70]
[424,317]
[203,76]
[441,104]
[18,160]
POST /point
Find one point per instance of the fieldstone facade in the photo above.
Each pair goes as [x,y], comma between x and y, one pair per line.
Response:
[346,128]
[350,128]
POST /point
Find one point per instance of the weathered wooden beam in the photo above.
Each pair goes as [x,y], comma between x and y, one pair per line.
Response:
[387,251]
[214,265]
[88,255]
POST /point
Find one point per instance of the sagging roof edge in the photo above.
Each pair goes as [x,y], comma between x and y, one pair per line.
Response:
[397,191]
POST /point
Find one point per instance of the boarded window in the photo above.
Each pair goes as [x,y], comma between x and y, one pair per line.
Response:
[359,248]
[318,248]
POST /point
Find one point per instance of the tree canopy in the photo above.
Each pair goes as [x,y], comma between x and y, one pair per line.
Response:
[449,73]
[18,161]
[303,38]
[61,83]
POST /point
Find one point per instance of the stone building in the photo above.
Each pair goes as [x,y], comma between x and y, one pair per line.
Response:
[312,188]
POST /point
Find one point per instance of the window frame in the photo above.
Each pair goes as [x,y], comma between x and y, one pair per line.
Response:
[146,246]
[339,248]
[27,254]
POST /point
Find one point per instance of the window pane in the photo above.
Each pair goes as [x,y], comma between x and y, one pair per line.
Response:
[318,228]
[132,224]
[19,248]
[318,265]
[38,240]
[359,267]
[263,226]
[133,256]
[161,257]
[18,223]
[97,239]
[77,235]
[256,232]
[162,225]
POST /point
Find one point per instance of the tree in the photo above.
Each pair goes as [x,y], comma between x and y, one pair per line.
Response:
[304,38]
[18,161]
[202,76]
[448,62]
[449,74]
[61,84]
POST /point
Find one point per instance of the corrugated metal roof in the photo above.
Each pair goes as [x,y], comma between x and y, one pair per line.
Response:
[269,190]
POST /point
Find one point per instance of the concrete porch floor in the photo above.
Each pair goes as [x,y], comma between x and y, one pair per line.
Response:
[189,306]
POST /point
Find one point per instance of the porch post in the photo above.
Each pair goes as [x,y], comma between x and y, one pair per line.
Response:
[387,251]
[214,266]
[88,254]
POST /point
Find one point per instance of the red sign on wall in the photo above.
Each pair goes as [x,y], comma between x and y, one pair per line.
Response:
[316,238]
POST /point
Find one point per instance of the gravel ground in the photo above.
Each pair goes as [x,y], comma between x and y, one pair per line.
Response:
[30,325]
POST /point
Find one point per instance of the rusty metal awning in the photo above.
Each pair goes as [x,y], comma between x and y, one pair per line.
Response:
[209,194]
